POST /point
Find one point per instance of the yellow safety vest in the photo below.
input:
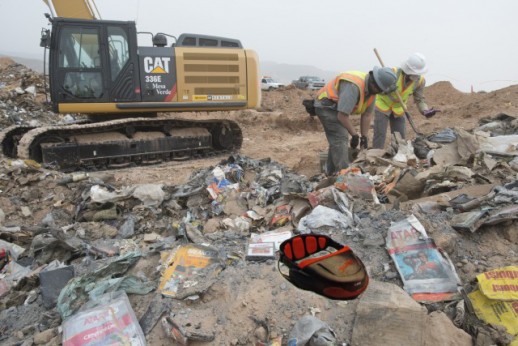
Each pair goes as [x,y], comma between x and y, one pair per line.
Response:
[390,102]
[330,90]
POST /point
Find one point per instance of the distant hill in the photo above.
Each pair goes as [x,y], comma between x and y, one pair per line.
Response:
[32,63]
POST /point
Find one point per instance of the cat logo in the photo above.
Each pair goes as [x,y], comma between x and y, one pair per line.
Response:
[156,64]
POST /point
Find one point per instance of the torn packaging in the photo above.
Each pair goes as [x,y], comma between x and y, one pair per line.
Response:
[282,215]
[260,251]
[319,264]
[427,273]
[500,284]
[185,265]
[473,220]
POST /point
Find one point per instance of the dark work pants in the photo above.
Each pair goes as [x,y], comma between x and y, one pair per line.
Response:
[381,121]
[338,139]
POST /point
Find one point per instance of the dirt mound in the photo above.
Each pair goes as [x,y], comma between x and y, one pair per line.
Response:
[458,109]
[287,100]
[5,61]
[473,104]
[445,92]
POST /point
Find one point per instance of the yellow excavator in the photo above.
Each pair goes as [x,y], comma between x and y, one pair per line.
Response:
[96,67]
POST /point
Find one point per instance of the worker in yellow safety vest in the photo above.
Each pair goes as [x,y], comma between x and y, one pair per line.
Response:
[351,92]
[388,109]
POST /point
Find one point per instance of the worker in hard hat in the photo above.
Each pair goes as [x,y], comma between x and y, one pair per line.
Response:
[410,81]
[352,92]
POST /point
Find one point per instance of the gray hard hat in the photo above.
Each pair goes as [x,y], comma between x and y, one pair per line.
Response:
[385,78]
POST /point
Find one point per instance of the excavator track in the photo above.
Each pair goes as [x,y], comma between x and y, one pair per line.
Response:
[125,142]
[9,138]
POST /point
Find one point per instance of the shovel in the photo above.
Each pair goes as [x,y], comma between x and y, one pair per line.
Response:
[407,114]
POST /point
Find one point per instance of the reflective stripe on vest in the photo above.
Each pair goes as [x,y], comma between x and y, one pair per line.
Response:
[330,90]
[390,102]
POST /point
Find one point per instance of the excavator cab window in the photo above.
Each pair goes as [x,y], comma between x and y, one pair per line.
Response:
[229,44]
[194,40]
[207,42]
[189,41]
[80,48]
[79,57]
[118,50]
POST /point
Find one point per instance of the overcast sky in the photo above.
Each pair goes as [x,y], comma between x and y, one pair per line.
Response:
[466,42]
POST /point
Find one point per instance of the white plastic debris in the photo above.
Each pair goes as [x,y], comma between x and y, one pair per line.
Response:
[150,194]
[100,194]
[324,219]
[31,90]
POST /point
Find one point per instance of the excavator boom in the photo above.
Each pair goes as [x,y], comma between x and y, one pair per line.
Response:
[83,9]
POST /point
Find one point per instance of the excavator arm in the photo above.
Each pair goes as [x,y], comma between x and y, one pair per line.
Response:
[82,9]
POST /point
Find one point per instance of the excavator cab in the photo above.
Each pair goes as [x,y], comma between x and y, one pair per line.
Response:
[93,62]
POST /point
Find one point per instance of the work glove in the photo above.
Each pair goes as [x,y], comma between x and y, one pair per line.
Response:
[430,112]
[364,142]
[355,140]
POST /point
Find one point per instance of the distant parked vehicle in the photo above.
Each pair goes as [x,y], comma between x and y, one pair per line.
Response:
[309,82]
[268,83]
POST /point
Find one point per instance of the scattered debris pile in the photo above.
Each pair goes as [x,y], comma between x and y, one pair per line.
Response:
[22,96]
[88,234]
[432,219]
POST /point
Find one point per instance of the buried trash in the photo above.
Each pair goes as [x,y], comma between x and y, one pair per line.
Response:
[330,196]
[325,219]
[427,273]
[496,299]
[190,269]
[496,312]
[12,249]
[281,216]
[357,183]
[311,331]
[183,328]
[473,220]
[447,135]
[276,236]
[109,320]
[500,284]
[105,279]
[468,221]
[260,251]
[52,279]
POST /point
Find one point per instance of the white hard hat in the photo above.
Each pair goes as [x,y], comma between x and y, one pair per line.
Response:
[415,64]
